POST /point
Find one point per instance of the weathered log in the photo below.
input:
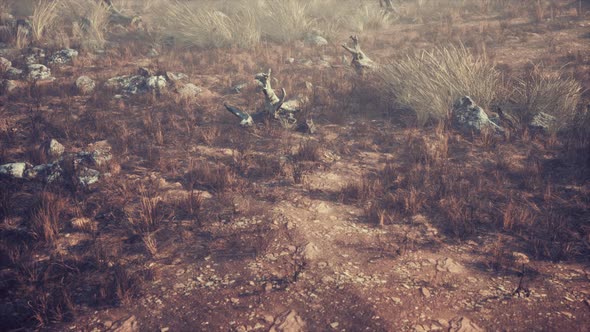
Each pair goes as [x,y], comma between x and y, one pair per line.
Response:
[360,62]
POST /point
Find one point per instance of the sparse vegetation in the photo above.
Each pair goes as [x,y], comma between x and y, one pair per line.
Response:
[144,205]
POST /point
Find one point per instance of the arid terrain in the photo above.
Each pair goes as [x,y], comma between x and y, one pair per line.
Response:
[418,165]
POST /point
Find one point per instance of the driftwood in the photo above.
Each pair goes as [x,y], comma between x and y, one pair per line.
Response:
[274,106]
[360,62]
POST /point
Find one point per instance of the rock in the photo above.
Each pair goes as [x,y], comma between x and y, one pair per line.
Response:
[289,321]
[85,85]
[38,72]
[316,40]
[156,83]
[543,122]
[128,84]
[13,73]
[128,325]
[520,258]
[463,324]
[34,55]
[47,173]
[52,149]
[100,153]
[310,252]
[8,86]
[14,170]
[63,56]
[424,291]
[87,176]
[175,77]
[4,64]
[469,118]
[448,265]
[188,91]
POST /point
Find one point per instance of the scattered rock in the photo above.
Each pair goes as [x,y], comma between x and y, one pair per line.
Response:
[289,321]
[543,122]
[316,40]
[463,324]
[52,149]
[14,170]
[310,252]
[5,64]
[34,55]
[38,72]
[85,85]
[63,56]
[469,118]
[13,73]
[87,176]
[128,325]
[448,265]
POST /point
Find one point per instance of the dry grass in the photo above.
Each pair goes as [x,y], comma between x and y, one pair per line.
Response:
[45,17]
[45,222]
[429,82]
[548,92]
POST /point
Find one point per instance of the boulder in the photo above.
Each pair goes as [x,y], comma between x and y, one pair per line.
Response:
[289,321]
[13,73]
[63,56]
[316,40]
[85,85]
[156,82]
[38,72]
[46,173]
[543,122]
[34,55]
[53,149]
[310,252]
[4,64]
[463,324]
[13,170]
[128,84]
[468,117]
[87,176]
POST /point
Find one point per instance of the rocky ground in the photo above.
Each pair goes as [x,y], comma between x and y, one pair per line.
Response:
[131,200]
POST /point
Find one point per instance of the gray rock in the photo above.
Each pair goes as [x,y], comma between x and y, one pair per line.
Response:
[85,84]
[128,84]
[14,170]
[87,176]
[156,83]
[53,149]
[289,321]
[63,56]
[469,118]
[543,122]
[448,265]
[128,325]
[47,173]
[4,64]
[13,73]
[34,55]
[8,86]
[463,324]
[188,91]
[316,40]
[175,77]
[100,153]
[38,72]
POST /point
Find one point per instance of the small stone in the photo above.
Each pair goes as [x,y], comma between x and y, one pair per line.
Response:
[334,325]
[85,84]
[53,149]
[425,292]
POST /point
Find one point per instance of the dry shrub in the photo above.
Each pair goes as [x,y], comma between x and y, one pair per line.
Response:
[429,82]
[45,220]
[369,17]
[45,17]
[207,27]
[285,20]
[551,93]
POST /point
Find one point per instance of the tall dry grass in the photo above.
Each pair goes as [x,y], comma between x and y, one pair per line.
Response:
[549,92]
[45,17]
[428,82]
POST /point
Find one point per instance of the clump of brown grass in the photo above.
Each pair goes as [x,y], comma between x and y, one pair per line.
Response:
[45,220]
[541,91]
[45,17]
[429,82]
